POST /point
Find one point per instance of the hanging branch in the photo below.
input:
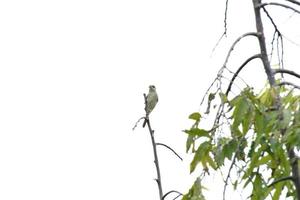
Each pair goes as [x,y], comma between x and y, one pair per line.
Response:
[240,69]
[172,191]
[164,145]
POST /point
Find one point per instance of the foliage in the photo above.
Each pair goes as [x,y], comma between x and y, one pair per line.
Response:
[248,132]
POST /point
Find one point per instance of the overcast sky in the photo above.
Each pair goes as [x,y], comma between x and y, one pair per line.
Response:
[72,78]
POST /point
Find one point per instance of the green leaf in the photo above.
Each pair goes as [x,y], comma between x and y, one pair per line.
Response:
[278,191]
[198,132]
[287,116]
[200,155]
[259,122]
[189,142]
[195,116]
[211,162]
[263,160]
[248,119]
[223,98]
[230,148]
[241,108]
[195,193]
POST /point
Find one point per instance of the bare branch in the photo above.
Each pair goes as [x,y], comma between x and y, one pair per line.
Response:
[172,191]
[290,84]
[239,69]
[161,144]
[225,27]
[233,45]
[151,131]
[228,175]
[225,18]
[177,196]
[219,75]
[294,2]
[279,37]
[271,19]
[290,178]
[285,71]
[278,4]
[138,121]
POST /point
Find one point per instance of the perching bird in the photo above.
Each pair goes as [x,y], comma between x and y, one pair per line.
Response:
[151,101]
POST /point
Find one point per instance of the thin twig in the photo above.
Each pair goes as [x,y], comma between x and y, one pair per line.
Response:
[239,69]
[278,4]
[177,196]
[228,175]
[172,191]
[161,144]
[138,121]
[225,28]
[285,71]
[280,180]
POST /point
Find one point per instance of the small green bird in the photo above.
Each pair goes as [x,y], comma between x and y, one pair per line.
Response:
[151,101]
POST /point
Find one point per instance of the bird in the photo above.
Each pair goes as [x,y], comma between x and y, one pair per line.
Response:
[150,103]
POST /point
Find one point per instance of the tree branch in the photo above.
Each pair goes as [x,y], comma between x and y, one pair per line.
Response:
[285,71]
[259,26]
[290,84]
[138,121]
[228,175]
[172,191]
[239,69]
[278,4]
[294,2]
[158,180]
[161,144]
[280,180]
[233,45]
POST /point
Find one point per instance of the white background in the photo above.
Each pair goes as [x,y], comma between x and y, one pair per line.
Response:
[72,78]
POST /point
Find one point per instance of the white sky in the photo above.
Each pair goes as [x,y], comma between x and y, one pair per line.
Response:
[72,75]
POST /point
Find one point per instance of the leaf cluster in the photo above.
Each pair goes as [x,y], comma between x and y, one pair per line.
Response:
[256,143]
